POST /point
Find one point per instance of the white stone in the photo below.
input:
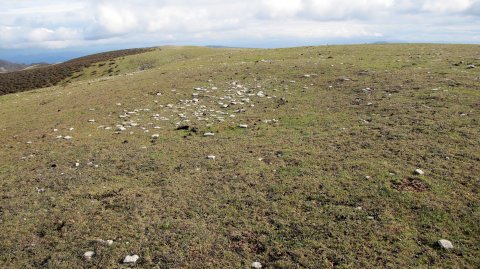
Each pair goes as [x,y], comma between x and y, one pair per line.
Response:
[121,128]
[211,157]
[155,136]
[67,137]
[88,255]
[256,265]
[243,126]
[131,259]
[208,134]
[445,244]
[106,242]
[92,120]
[261,94]
[419,172]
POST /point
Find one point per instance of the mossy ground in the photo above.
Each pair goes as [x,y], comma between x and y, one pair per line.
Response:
[287,194]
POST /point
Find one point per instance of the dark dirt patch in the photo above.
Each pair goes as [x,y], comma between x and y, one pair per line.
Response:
[411,185]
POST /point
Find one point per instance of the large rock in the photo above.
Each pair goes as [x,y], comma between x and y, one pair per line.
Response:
[445,244]
[131,259]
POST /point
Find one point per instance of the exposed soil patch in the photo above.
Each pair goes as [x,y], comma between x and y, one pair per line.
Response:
[411,185]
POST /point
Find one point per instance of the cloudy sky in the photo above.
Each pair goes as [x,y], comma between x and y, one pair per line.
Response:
[59,27]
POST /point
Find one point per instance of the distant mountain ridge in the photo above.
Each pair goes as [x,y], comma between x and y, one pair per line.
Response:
[6,66]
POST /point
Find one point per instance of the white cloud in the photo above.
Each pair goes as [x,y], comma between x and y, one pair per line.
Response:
[280,8]
[444,6]
[40,34]
[116,19]
[176,18]
[343,9]
[8,34]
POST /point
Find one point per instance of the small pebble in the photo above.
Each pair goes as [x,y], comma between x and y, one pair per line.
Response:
[208,134]
[88,255]
[155,136]
[419,172]
[106,242]
[243,126]
[211,157]
[256,265]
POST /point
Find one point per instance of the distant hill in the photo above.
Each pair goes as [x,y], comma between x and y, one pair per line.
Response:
[218,47]
[6,66]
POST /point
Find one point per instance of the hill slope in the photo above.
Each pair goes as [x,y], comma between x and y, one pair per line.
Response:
[322,177]
[41,75]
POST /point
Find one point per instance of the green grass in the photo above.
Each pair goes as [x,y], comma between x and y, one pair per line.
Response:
[284,194]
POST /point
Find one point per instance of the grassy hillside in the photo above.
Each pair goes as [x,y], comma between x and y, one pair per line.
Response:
[44,75]
[322,177]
